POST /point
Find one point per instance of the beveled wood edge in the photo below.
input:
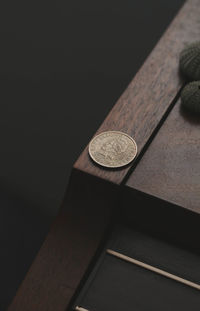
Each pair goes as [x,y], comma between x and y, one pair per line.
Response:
[136,181]
[150,94]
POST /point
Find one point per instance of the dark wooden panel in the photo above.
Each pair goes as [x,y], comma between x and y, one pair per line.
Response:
[149,95]
[69,247]
[170,168]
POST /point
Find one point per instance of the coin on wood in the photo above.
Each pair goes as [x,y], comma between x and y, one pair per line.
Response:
[112,149]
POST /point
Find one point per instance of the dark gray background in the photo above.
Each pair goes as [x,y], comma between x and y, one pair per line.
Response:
[63,64]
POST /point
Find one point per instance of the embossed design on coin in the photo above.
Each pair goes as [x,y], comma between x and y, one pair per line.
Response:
[112,149]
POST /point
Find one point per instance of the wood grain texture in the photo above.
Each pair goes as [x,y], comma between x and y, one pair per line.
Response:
[170,168]
[151,92]
[68,249]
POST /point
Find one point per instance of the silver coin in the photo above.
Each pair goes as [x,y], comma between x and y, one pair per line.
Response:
[112,149]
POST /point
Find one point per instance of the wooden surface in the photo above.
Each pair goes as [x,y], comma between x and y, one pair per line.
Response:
[68,249]
[170,168]
[79,228]
[150,94]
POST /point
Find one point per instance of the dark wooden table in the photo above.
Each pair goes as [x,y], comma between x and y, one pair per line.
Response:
[165,173]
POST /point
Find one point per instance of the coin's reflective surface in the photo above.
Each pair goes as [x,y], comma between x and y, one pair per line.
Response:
[112,149]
